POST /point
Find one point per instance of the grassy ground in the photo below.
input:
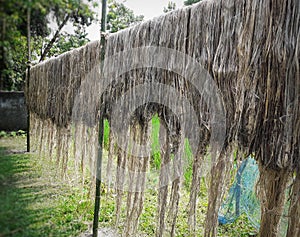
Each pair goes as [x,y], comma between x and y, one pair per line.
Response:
[35,202]
[32,202]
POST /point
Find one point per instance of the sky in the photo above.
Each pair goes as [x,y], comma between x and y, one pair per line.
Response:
[148,8]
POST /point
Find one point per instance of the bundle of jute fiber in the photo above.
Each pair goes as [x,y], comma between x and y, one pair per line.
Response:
[249,50]
[53,86]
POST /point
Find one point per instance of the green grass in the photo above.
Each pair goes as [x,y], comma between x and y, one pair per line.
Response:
[241,228]
[155,157]
[147,224]
[188,172]
[106,134]
[35,202]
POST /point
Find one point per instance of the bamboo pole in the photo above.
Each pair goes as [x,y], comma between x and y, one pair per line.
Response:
[101,127]
[98,179]
[28,71]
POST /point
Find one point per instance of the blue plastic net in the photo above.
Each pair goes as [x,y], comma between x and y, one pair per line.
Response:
[242,198]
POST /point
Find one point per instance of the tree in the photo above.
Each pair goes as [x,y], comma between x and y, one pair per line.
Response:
[75,12]
[47,41]
[13,23]
[171,6]
[190,2]
[120,17]
[13,43]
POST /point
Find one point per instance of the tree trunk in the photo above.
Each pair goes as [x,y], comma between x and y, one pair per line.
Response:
[52,41]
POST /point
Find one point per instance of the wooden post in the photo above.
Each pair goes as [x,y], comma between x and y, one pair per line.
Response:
[101,127]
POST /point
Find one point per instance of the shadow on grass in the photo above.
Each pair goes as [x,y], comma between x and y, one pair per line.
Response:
[29,206]
[16,216]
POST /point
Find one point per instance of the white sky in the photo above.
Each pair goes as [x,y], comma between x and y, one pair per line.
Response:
[148,8]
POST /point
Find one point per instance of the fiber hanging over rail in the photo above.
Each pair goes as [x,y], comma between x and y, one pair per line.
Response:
[223,74]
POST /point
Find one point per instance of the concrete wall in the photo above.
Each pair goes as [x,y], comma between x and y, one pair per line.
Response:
[13,112]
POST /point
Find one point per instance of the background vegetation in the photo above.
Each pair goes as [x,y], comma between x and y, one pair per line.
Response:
[49,37]
[48,20]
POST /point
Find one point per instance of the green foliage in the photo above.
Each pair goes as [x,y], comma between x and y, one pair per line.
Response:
[190,2]
[13,28]
[3,134]
[171,6]
[76,12]
[120,17]
[67,42]
[13,46]
[19,133]
[45,41]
